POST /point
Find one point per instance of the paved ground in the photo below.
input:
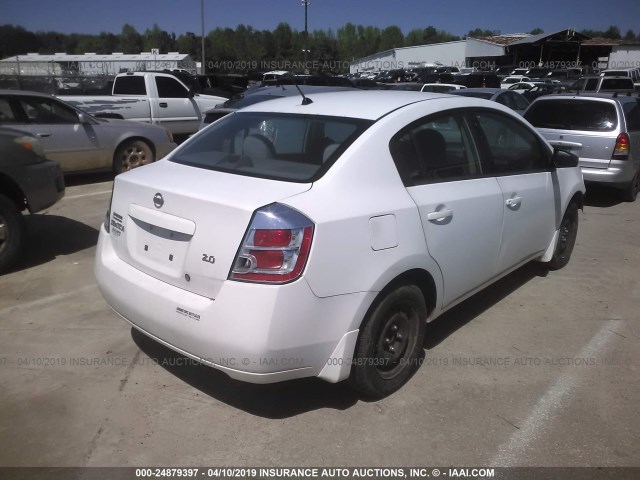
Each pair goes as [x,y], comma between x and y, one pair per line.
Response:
[538,370]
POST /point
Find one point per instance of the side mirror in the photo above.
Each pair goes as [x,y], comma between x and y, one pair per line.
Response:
[191,93]
[82,118]
[564,159]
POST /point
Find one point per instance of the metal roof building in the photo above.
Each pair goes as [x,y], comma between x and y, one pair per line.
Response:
[91,64]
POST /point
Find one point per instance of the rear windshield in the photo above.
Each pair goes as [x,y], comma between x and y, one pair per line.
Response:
[295,148]
[573,114]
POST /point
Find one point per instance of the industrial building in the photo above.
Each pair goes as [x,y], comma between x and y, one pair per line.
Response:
[562,49]
[91,64]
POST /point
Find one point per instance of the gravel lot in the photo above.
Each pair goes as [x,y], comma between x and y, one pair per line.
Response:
[538,370]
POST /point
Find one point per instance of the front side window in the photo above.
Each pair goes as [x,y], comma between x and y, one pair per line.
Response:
[435,149]
[297,148]
[509,146]
[573,114]
[170,88]
[42,110]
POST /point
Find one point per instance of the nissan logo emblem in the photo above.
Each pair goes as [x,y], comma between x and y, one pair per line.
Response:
[158,201]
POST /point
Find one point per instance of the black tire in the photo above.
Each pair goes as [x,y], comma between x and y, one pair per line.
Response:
[12,233]
[390,343]
[131,154]
[630,193]
[566,238]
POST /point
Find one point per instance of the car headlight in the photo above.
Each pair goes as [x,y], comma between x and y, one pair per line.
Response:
[31,144]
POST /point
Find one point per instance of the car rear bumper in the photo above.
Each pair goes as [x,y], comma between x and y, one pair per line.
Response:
[618,172]
[254,333]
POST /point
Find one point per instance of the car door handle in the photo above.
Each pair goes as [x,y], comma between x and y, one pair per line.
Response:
[163,105]
[514,202]
[440,215]
[43,135]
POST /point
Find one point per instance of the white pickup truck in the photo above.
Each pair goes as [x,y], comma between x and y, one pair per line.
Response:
[150,97]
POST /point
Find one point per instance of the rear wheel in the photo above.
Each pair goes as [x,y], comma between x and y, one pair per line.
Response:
[630,193]
[566,238]
[12,233]
[132,154]
[390,343]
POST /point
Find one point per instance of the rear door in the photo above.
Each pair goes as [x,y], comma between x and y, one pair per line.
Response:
[460,208]
[522,166]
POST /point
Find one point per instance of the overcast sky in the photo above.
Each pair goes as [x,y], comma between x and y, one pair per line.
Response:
[455,16]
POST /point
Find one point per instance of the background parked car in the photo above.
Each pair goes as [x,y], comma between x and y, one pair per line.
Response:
[513,79]
[510,99]
[604,130]
[603,84]
[28,181]
[79,141]
[262,94]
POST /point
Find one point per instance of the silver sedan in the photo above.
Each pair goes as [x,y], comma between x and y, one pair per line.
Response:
[79,141]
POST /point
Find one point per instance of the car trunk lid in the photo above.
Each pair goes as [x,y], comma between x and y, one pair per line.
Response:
[183,225]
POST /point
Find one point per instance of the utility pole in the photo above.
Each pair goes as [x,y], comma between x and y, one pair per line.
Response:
[203,68]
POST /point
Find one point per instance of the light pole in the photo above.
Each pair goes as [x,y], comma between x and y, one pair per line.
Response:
[203,67]
[305,49]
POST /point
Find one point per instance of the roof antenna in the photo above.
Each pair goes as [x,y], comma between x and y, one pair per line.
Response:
[305,100]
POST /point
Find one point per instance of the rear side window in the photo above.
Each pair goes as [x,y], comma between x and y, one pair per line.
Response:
[296,148]
[435,149]
[129,86]
[573,114]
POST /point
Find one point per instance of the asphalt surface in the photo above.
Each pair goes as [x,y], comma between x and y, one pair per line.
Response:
[538,370]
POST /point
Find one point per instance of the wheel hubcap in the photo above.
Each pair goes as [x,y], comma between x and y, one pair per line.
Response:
[393,341]
[134,157]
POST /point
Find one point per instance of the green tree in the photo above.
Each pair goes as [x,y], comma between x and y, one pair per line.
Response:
[613,33]
[157,38]
[536,31]
[130,40]
[391,37]
[630,37]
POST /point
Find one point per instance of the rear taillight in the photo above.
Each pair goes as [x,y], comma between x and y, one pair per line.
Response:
[621,150]
[275,248]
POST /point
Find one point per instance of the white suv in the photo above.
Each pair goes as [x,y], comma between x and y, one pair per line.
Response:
[316,237]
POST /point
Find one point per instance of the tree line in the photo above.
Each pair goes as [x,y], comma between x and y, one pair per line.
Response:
[244,43]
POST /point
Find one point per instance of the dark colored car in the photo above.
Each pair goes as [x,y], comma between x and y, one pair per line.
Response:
[479,80]
[508,98]
[262,94]
[28,181]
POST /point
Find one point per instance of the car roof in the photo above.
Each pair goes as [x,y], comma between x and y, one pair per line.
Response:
[593,95]
[465,91]
[24,92]
[371,104]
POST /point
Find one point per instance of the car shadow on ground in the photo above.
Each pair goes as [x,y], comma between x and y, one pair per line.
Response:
[456,318]
[75,179]
[49,236]
[288,399]
[602,196]
[275,401]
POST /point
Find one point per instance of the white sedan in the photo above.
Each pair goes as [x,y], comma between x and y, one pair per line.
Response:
[317,236]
